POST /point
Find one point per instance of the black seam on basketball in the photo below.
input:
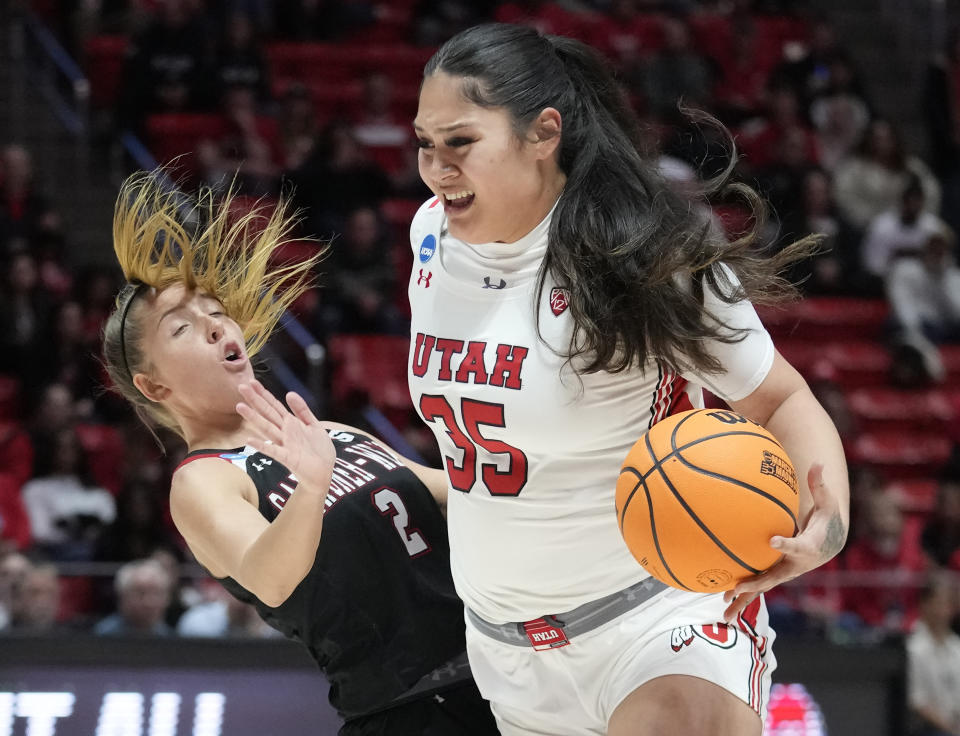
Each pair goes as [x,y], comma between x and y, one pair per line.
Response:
[704,527]
[736,482]
[653,523]
[659,461]
[673,434]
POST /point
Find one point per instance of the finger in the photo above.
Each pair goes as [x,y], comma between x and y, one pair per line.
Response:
[253,397]
[793,546]
[300,409]
[272,401]
[737,607]
[260,424]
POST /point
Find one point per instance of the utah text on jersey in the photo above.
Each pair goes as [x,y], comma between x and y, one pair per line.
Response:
[465,362]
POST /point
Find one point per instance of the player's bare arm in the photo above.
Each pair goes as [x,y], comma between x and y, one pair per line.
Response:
[785,405]
[212,505]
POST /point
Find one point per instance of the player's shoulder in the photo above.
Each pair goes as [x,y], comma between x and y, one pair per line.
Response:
[426,222]
[207,475]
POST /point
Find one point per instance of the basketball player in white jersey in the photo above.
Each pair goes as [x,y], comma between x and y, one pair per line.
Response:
[563,300]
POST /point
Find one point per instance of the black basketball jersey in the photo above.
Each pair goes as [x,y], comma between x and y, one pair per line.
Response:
[378,609]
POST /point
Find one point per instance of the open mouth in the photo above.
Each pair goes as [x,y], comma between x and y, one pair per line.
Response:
[458,200]
[233,353]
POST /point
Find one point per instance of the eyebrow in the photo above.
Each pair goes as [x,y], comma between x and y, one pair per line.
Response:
[168,313]
[447,128]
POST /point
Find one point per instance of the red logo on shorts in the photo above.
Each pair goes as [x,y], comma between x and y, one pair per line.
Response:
[425,280]
[543,635]
[558,301]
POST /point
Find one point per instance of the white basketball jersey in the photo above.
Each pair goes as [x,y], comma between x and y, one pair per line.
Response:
[532,450]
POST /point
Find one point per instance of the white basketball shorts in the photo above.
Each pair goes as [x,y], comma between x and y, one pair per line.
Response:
[573,690]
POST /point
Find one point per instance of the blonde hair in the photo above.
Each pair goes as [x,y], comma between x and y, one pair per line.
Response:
[162,237]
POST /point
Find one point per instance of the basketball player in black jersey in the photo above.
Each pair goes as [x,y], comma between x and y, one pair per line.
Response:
[337,542]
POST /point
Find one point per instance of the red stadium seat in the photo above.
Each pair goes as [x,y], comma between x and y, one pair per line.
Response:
[15,528]
[901,455]
[917,495]
[310,61]
[105,451]
[401,62]
[103,63]
[951,361]
[9,397]
[906,411]
[826,318]
[371,365]
[16,452]
[175,136]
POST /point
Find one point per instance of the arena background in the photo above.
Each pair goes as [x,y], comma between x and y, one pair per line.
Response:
[317,99]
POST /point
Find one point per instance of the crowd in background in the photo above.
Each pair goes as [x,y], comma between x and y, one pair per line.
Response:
[80,483]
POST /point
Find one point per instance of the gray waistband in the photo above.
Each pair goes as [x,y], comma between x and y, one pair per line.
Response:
[580,620]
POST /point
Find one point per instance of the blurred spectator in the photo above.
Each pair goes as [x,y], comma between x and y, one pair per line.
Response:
[933,661]
[376,124]
[782,133]
[247,152]
[362,280]
[831,271]
[140,526]
[547,17]
[67,511]
[182,594]
[871,180]
[840,114]
[55,410]
[941,532]
[741,88]
[166,65]
[902,230]
[24,315]
[298,127]
[36,601]
[924,296]
[222,615]
[69,357]
[239,61]
[13,569]
[338,178]
[885,546]
[434,21]
[677,72]
[941,109]
[323,20]
[143,594]
[24,211]
[806,66]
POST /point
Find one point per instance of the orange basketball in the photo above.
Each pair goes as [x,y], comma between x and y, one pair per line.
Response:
[701,494]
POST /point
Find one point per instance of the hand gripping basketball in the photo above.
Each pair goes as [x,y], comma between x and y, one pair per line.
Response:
[296,439]
[820,538]
[699,497]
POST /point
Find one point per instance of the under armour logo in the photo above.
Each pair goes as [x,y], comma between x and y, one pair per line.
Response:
[559,301]
[425,280]
[488,285]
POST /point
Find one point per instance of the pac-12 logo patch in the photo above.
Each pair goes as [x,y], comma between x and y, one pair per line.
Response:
[427,248]
[558,301]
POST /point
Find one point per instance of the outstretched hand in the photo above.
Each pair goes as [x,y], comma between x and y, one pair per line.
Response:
[820,538]
[291,436]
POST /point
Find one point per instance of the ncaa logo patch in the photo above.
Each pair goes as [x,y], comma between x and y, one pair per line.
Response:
[558,301]
[427,248]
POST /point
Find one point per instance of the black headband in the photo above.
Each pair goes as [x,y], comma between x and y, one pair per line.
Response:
[138,286]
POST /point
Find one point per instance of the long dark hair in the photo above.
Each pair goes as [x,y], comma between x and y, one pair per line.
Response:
[633,255]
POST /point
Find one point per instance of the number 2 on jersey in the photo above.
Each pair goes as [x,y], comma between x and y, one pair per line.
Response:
[507,482]
[390,504]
